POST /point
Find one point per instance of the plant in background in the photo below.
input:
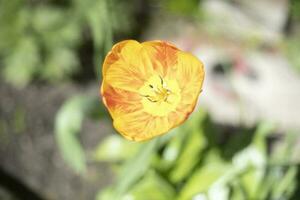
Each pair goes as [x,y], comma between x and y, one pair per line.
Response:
[291,48]
[195,161]
[41,39]
[150,87]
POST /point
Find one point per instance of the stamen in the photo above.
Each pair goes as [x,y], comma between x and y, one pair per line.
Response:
[161,80]
[154,101]
[161,92]
[150,98]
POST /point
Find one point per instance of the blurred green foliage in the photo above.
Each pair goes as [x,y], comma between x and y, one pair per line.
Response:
[295,9]
[192,162]
[183,7]
[41,39]
[291,49]
[68,125]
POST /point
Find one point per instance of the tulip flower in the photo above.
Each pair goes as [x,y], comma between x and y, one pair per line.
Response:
[150,87]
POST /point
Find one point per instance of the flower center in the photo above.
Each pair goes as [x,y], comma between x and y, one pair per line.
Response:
[160,96]
[160,92]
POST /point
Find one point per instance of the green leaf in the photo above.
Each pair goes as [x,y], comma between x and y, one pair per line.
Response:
[47,18]
[183,7]
[106,194]
[218,191]
[251,164]
[61,63]
[193,143]
[153,187]
[284,151]
[251,181]
[21,65]
[250,156]
[281,189]
[204,177]
[68,125]
[262,131]
[171,151]
[14,18]
[190,156]
[237,192]
[67,35]
[99,20]
[115,148]
[135,168]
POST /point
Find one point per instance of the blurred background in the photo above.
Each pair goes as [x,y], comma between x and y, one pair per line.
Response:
[57,140]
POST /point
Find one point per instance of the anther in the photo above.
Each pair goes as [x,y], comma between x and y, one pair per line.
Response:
[161,80]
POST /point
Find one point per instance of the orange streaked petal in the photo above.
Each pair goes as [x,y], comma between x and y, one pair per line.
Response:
[190,76]
[115,54]
[120,101]
[142,125]
[128,66]
[163,55]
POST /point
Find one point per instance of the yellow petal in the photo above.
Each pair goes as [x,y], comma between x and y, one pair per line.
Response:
[140,126]
[114,55]
[127,66]
[163,55]
[120,101]
[189,72]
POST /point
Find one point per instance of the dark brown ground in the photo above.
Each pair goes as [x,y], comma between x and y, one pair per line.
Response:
[29,152]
